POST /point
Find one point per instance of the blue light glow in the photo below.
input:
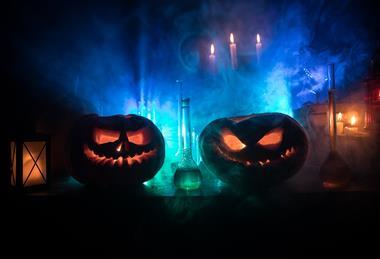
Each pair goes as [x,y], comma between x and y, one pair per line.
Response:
[114,61]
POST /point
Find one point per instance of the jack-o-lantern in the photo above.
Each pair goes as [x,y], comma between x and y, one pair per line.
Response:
[115,150]
[254,151]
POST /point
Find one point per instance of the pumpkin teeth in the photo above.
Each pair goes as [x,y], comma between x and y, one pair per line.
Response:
[289,152]
[130,161]
[138,159]
[127,161]
[99,160]
[109,162]
[104,161]
[120,161]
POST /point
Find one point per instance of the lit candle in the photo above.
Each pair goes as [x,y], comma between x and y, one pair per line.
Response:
[352,128]
[212,57]
[339,124]
[233,52]
[258,48]
[353,120]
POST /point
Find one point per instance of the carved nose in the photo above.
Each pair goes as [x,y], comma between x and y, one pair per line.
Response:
[118,148]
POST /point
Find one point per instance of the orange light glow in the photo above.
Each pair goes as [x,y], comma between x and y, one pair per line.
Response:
[339,116]
[102,136]
[139,137]
[118,149]
[258,40]
[232,38]
[272,139]
[212,49]
[328,185]
[120,161]
[34,163]
[353,120]
[231,141]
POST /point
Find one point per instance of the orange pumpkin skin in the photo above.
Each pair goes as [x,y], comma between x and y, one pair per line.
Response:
[115,150]
[255,151]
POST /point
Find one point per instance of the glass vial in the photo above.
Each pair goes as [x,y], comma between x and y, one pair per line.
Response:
[187,175]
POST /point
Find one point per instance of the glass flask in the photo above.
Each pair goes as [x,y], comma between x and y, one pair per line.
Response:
[335,172]
[187,175]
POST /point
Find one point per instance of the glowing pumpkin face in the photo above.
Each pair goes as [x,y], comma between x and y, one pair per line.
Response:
[116,150]
[254,151]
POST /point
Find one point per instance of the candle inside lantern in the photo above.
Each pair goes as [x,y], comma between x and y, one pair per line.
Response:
[212,57]
[233,52]
[258,48]
[339,124]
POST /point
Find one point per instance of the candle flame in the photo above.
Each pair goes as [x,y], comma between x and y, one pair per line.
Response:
[353,120]
[258,40]
[212,49]
[340,116]
[231,37]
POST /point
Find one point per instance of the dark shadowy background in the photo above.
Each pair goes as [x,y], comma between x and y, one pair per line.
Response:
[62,59]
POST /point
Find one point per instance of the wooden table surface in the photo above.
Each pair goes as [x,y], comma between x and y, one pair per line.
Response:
[74,220]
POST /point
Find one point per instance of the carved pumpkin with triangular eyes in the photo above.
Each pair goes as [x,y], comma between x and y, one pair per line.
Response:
[254,151]
[115,150]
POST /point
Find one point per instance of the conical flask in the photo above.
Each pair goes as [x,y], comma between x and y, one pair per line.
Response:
[187,175]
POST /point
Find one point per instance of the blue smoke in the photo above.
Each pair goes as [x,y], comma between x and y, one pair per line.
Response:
[120,58]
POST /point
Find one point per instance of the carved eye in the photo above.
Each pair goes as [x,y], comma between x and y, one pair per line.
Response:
[102,136]
[231,141]
[272,139]
[139,137]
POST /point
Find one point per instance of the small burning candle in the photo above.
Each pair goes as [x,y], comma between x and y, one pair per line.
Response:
[339,124]
[212,57]
[233,52]
[258,48]
[353,120]
[353,125]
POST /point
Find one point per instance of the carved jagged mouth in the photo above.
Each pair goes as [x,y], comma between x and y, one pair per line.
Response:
[288,153]
[120,161]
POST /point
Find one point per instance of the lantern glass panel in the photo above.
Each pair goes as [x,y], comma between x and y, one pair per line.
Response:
[34,163]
